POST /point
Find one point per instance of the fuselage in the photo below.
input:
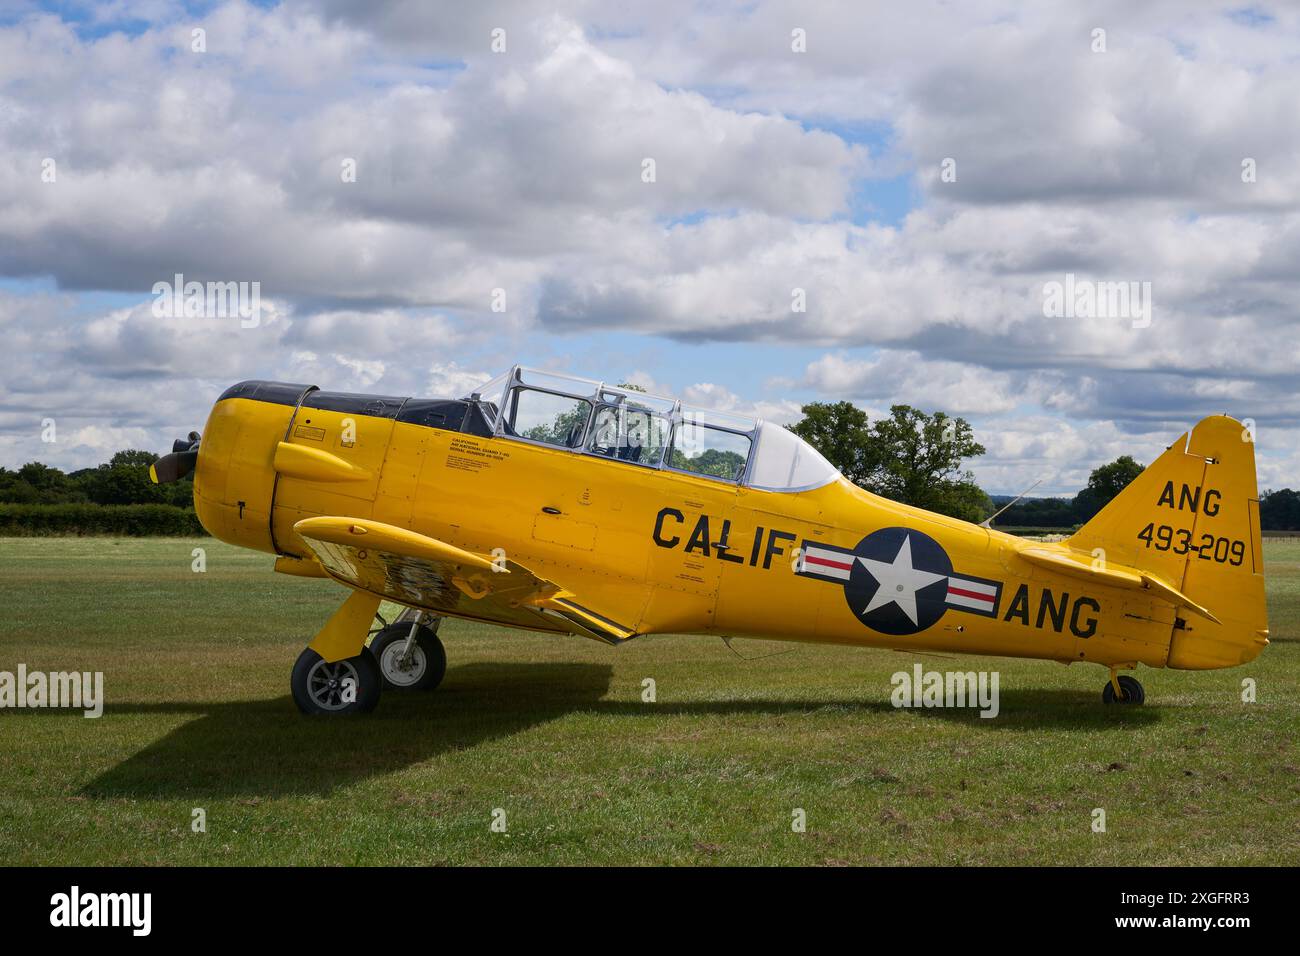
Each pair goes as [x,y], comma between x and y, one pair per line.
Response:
[672,552]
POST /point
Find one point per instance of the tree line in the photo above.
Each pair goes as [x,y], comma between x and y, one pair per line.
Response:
[123,480]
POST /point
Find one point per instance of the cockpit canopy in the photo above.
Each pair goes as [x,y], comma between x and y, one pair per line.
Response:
[624,424]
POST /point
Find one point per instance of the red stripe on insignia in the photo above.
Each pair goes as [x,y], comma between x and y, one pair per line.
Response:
[843,566]
[971,594]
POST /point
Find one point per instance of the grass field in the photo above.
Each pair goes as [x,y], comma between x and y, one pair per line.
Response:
[554,732]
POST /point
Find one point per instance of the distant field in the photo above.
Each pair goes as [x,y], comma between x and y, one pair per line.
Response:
[1028,531]
[553,731]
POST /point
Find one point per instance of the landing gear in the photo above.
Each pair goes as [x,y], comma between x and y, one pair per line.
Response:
[349,686]
[410,655]
[1130,691]
[339,674]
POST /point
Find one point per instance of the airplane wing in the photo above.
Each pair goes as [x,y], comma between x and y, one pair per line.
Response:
[413,569]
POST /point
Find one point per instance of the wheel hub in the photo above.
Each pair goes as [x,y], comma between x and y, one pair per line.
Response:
[401,668]
[325,684]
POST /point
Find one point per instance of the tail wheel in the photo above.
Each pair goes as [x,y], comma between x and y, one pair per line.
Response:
[1132,690]
[348,686]
[407,664]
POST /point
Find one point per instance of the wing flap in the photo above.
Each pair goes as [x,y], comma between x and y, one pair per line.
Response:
[592,623]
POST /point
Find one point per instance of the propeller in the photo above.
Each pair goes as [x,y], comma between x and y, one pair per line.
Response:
[184,456]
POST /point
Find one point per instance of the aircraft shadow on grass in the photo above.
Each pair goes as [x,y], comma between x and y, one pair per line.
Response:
[265,748]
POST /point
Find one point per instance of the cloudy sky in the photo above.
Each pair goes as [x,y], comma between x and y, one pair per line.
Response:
[387,171]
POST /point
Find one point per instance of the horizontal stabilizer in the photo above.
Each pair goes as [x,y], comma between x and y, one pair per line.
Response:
[1084,566]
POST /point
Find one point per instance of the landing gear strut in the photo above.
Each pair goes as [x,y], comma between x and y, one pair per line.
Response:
[1122,690]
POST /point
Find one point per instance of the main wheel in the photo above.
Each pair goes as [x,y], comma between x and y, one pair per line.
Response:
[1133,692]
[348,686]
[422,669]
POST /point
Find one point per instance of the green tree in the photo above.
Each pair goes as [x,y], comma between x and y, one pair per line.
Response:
[35,483]
[1105,482]
[962,499]
[125,481]
[841,432]
[910,457]
[711,461]
[41,477]
[565,428]
[923,457]
[15,491]
[1280,510]
[133,458]
[1040,513]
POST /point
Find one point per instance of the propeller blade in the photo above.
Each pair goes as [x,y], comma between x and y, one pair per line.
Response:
[173,467]
[181,461]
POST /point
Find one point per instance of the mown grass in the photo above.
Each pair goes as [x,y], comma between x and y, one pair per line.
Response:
[554,732]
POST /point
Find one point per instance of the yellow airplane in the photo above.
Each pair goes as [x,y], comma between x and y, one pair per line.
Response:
[558,504]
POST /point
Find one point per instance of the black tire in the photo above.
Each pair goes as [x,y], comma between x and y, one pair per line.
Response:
[314,695]
[1133,692]
[428,662]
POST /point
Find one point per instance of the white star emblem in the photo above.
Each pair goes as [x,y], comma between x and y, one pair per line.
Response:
[898,582]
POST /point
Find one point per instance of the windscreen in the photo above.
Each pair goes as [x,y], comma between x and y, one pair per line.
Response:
[785,462]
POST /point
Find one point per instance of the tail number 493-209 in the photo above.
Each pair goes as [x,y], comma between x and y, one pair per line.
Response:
[1179,541]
